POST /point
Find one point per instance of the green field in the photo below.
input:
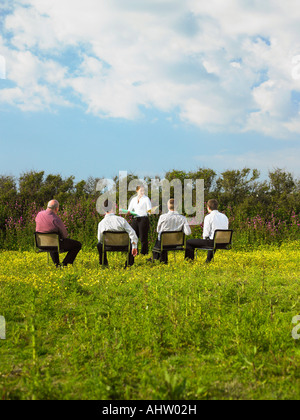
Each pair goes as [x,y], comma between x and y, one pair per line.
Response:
[186,331]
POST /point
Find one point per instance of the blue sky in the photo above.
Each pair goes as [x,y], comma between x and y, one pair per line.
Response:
[94,88]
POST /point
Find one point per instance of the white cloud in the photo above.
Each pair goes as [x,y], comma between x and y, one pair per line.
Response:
[221,65]
[2,67]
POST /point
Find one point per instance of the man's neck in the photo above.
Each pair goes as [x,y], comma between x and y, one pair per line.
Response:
[110,213]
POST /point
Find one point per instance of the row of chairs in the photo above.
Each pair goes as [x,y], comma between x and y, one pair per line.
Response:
[170,241]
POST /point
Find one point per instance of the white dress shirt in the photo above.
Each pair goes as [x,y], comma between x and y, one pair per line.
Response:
[116,224]
[141,206]
[214,220]
[173,221]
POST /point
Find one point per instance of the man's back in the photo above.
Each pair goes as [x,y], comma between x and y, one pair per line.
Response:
[111,222]
[173,221]
[213,221]
[48,221]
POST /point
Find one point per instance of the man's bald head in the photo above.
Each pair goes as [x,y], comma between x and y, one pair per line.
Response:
[53,205]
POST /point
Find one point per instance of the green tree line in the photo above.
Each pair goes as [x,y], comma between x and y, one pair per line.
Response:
[242,194]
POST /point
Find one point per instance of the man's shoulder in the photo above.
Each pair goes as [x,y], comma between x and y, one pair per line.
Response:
[180,216]
[163,217]
[167,216]
[112,217]
[219,215]
[41,212]
[45,213]
[133,198]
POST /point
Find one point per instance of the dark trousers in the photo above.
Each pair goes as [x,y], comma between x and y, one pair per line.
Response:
[116,248]
[70,246]
[162,256]
[141,227]
[192,244]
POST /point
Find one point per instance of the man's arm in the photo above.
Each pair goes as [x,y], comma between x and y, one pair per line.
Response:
[159,223]
[187,228]
[100,233]
[61,227]
[149,205]
[131,203]
[132,234]
[206,227]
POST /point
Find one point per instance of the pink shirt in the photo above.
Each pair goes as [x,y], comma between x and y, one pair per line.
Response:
[48,221]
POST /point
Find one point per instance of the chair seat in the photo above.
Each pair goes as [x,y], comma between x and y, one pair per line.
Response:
[47,242]
[170,241]
[116,241]
[222,240]
[48,249]
[116,248]
[217,246]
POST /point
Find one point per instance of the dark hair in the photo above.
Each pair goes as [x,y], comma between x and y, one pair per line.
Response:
[108,205]
[213,204]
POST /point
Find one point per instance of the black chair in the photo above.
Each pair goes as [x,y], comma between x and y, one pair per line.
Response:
[113,242]
[47,242]
[171,241]
[222,240]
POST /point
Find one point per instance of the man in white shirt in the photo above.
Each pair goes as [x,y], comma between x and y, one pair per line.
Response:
[111,222]
[141,205]
[170,222]
[213,221]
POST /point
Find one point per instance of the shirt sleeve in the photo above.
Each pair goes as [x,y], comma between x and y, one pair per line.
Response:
[131,204]
[131,233]
[61,227]
[100,233]
[226,223]
[187,228]
[206,227]
[149,205]
[159,224]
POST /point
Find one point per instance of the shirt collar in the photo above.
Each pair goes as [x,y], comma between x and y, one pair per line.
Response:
[50,211]
[110,214]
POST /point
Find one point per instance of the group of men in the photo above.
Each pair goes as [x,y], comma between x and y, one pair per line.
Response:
[49,221]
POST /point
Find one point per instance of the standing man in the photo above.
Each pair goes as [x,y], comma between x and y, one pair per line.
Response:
[48,221]
[171,221]
[114,223]
[213,221]
[141,205]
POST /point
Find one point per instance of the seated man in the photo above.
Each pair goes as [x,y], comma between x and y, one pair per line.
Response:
[48,221]
[171,221]
[111,222]
[213,221]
